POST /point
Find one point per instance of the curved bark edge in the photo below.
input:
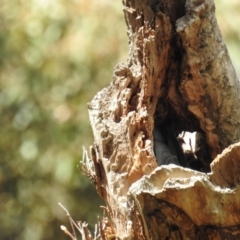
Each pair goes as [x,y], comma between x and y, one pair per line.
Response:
[192,201]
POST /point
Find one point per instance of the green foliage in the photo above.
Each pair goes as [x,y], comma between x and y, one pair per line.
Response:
[229,21]
[54,56]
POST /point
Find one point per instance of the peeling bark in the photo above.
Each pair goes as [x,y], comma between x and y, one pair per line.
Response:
[178,74]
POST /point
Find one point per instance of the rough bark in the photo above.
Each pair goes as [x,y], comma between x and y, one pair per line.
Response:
[178,73]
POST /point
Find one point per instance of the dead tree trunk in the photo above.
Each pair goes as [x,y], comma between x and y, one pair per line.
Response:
[179,76]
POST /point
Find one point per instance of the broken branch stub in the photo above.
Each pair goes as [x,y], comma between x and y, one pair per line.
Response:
[177,71]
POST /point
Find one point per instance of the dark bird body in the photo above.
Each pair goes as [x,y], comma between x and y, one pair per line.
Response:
[166,147]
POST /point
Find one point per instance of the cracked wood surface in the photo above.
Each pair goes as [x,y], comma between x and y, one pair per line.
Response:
[178,71]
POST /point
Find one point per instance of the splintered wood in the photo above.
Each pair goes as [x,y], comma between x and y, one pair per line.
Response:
[178,70]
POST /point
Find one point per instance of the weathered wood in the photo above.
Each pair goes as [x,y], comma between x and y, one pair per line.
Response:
[179,203]
[178,73]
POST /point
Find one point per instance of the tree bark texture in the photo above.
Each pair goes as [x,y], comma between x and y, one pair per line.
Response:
[179,74]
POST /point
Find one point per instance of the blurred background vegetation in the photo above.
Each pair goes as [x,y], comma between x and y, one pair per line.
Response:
[54,57]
